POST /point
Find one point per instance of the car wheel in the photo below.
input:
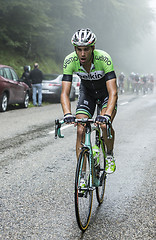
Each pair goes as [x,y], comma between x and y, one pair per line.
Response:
[4,102]
[26,101]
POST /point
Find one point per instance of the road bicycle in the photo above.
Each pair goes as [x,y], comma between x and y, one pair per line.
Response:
[94,168]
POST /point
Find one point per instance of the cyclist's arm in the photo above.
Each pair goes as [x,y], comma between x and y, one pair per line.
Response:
[113,96]
[66,87]
[110,77]
[68,69]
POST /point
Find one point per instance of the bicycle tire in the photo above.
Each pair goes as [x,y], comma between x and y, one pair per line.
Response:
[100,191]
[84,199]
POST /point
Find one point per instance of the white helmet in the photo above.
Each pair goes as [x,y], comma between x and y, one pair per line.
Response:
[83,37]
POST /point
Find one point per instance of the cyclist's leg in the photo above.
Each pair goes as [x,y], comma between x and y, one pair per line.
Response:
[80,134]
[85,109]
[108,142]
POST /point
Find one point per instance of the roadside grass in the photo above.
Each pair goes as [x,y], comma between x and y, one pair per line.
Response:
[15,60]
[43,104]
[17,106]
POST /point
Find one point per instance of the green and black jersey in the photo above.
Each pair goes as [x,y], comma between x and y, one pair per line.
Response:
[93,84]
[101,71]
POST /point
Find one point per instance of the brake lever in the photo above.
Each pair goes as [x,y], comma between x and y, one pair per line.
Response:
[58,128]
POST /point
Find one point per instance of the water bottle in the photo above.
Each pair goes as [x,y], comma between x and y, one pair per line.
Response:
[96,153]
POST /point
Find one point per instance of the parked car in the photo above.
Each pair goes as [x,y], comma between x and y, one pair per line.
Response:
[52,86]
[12,89]
[76,83]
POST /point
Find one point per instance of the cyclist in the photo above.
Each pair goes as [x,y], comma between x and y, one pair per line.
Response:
[98,81]
[131,78]
[136,83]
[121,79]
[151,82]
[144,83]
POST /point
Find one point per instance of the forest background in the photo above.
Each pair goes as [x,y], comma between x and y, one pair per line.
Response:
[40,31]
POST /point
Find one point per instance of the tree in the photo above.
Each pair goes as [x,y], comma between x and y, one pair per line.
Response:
[44,28]
[35,27]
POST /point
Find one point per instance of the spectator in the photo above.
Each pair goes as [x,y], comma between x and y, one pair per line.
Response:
[25,76]
[36,77]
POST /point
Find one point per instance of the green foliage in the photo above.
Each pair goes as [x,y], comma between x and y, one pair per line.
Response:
[15,60]
[34,26]
[25,26]
[36,29]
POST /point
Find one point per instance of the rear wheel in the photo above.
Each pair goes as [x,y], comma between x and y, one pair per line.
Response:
[102,175]
[83,195]
[26,101]
[4,102]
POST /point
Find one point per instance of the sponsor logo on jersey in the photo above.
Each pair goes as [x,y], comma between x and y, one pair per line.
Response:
[91,76]
[85,102]
[69,60]
[103,58]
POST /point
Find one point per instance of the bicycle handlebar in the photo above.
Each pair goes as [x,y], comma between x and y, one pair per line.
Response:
[58,124]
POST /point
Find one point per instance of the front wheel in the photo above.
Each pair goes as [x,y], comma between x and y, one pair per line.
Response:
[101,173]
[3,102]
[83,195]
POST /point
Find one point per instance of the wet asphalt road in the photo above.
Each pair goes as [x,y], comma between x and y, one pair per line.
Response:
[37,176]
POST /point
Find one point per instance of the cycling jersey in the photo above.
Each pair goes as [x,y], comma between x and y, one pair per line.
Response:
[101,69]
[94,82]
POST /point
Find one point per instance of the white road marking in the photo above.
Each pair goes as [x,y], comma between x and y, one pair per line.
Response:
[64,127]
[123,103]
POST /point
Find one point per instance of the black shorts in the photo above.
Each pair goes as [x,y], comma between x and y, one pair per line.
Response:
[87,102]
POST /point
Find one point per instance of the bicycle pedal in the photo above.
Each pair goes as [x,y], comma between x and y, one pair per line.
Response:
[83,194]
[80,194]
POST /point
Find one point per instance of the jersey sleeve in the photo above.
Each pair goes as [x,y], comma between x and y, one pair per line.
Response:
[110,75]
[104,62]
[108,64]
[67,78]
[109,68]
[68,66]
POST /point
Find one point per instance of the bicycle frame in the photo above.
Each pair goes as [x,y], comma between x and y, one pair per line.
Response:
[94,181]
